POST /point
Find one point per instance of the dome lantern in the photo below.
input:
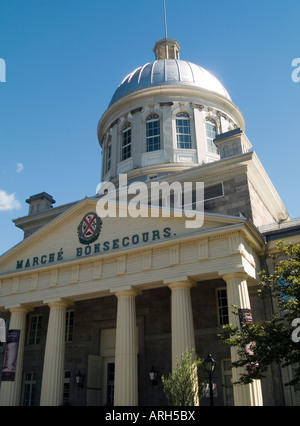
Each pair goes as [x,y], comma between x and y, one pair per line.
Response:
[166,49]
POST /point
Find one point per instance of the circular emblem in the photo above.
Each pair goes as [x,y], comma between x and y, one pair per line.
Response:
[89,228]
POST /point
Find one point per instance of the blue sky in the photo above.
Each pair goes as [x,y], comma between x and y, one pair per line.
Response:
[65,58]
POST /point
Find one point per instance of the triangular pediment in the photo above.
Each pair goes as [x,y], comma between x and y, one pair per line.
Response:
[79,232]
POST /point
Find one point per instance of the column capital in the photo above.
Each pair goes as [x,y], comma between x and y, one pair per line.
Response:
[21,309]
[235,275]
[180,282]
[126,291]
[58,303]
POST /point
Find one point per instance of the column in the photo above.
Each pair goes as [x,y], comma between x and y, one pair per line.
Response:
[237,294]
[182,324]
[10,392]
[126,368]
[53,370]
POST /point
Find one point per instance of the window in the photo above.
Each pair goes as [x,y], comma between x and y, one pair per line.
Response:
[29,389]
[211,131]
[126,142]
[183,131]
[213,191]
[69,326]
[108,156]
[35,330]
[110,383]
[152,133]
[222,303]
[227,382]
[66,393]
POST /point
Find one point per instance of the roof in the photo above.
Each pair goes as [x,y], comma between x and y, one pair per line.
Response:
[166,72]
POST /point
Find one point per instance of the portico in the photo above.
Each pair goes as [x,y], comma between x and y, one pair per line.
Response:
[224,249]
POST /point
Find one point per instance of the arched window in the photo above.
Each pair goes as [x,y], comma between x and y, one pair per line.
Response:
[183,131]
[152,133]
[211,132]
[126,142]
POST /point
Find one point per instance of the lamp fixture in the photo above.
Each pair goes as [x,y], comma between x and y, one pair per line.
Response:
[153,376]
[79,379]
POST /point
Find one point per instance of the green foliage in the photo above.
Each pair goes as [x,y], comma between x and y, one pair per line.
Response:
[182,386]
[261,343]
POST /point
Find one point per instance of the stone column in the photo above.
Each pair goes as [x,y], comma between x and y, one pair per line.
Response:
[182,324]
[10,392]
[237,294]
[126,368]
[53,370]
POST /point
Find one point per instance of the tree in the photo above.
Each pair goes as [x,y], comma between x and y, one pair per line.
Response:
[181,387]
[277,340]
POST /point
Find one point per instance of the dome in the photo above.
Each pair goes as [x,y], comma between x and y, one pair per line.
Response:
[166,72]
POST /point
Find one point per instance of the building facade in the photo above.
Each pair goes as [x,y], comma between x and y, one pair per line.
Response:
[100,300]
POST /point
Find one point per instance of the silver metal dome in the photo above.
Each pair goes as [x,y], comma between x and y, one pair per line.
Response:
[168,71]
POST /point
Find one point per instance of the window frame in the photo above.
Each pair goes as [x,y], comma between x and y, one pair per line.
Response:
[150,139]
[227,387]
[211,146]
[108,156]
[222,309]
[185,135]
[69,326]
[126,141]
[37,331]
[29,387]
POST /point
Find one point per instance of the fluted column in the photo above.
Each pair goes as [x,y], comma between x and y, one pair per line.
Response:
[10,392]
[237,294]
[126,368]
[182,324]
[53,370]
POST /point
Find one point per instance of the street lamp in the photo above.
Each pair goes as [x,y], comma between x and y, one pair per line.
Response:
[210,365]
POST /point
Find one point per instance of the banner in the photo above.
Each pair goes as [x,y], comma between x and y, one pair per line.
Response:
[2,331]
[11,355]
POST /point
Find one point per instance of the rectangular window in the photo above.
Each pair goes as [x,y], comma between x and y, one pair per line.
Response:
[35,329]
[67,380]
[110,383]
[29,389]
[222,303]
[183,131]
[213,191]
[211,132]
[126,142]
[153,133]
[108,158]
[227,382]
[69,326]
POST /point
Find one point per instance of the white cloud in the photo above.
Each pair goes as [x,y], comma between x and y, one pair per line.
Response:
[20,167]
[8,201]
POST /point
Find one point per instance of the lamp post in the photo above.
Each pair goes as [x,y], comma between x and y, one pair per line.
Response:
[210,365]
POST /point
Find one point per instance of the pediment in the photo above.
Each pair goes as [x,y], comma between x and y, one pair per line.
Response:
[72,236]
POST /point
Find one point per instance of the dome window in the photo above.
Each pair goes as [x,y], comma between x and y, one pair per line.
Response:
[211,132]
[126,142]
[183,131]
[153,133]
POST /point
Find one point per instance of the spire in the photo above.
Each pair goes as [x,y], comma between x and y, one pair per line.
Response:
[165,14]
[166,48]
